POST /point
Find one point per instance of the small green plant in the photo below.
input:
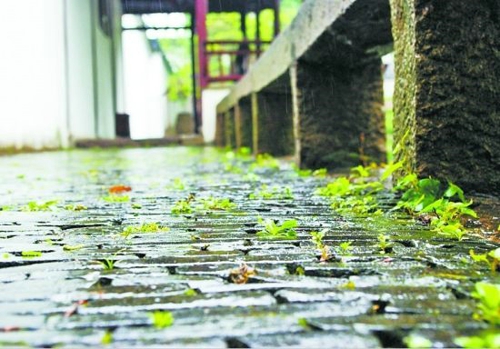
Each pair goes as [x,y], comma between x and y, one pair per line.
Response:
[70,248]
[182,207]
[190,292]
[302,322]
[345,248]
[75,207]
[273,231]
[162,319]
[384,244]
[356,205]
[143,228]
[416,341]
[487,339]
[31,254]
[320,172]
[446,207]
[265,161]
[361,171]
[488,307]
[177,184]
[34,206]
[108,264]
[274,193]
[354,195]
[491,258]
[114,198]
[217,204]
[107,337]
[317,239]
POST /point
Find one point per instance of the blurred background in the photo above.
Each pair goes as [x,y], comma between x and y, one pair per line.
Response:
[74,70]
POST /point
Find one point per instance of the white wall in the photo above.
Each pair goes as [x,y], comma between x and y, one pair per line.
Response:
[32,79]
[145,86]
[57,73]
[211,97]
[80,70]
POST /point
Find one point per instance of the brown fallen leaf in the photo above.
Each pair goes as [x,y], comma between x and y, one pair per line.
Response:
[74,308]
[241,275]
[117,189]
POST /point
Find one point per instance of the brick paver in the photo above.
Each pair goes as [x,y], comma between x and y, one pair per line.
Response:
[65,297]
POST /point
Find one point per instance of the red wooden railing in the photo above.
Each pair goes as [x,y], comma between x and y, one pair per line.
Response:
[228,60]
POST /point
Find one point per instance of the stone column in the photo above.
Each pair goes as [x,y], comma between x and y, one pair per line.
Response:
[245,107]
[220,130]
[276,123]
[447,94]
[339,105]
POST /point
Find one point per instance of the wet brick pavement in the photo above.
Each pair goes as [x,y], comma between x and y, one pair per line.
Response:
[63,296]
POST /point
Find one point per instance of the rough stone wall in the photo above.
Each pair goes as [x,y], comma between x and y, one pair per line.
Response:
[275,123]
[453,63]
[404,98]
[230,136]
[246,122]
[341,117]
[220,131]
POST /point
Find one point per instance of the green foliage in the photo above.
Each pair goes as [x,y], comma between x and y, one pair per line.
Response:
[488,308]
[357,205]
[427,196]
[177,184]
[353,195]
[345,247]
[143,228]
[488,339]
[384,244]
[182,207]
[416,198]
[225,26]
[190,292]
[34,206]
[274,193]
[340,187]
[217,204]
[107,264]
[107,337]
[265,161]
[162,319]
[75,207]
[317,238]
[71,248]
[273,231]
[302,322]
[360,172]
[416,341]
[320,172]
[113,198]
[31,254]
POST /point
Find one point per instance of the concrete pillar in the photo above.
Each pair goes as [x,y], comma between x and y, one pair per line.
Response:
[447,93]
[229,134]
[276,123]
[219,130]
[245,107]
[338,111]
